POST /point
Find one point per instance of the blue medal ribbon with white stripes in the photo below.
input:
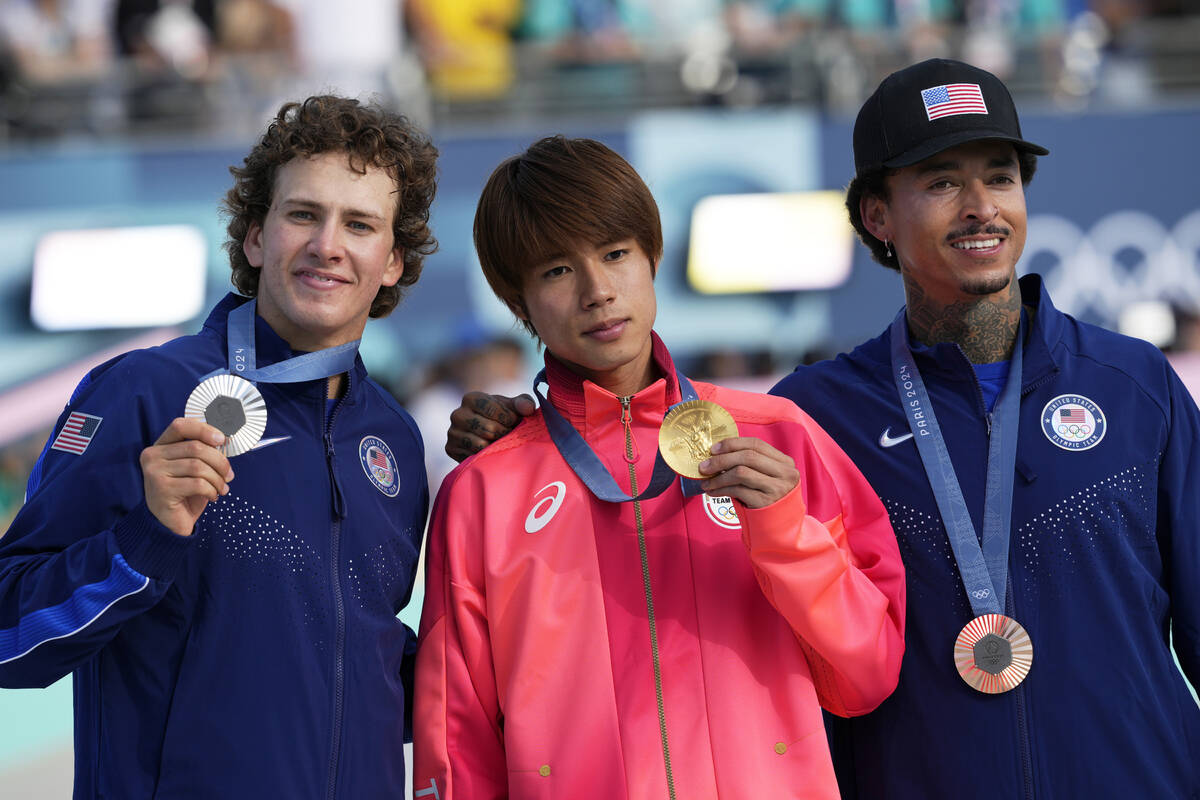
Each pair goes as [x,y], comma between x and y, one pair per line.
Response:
[584,462]
[984,569]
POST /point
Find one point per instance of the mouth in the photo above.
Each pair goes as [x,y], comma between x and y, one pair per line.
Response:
[321,280]
[976,244]
[607,330]
[982,239]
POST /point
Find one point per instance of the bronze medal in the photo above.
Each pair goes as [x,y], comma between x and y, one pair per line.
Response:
[993,653]
[688,433]
[234,406]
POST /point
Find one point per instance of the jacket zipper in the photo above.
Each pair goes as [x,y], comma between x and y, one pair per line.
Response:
[1022,698]
[339,657]
[630,459]
[1022,695]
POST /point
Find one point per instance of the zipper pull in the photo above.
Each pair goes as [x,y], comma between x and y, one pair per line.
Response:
[631,448]
[339,502]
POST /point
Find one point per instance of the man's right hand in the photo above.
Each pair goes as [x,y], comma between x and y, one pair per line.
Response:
[183,471]
[482,419]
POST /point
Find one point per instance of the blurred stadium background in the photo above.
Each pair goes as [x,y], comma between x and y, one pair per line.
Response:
[119,119]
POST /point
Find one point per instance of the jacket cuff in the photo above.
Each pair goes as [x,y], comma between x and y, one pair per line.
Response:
[148,546]
[779,520]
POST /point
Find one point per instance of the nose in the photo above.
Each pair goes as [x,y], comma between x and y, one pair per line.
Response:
[978,203]
[596,287]
[326,242]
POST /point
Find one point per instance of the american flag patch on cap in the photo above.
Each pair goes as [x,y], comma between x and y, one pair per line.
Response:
[76,433]
[953,99]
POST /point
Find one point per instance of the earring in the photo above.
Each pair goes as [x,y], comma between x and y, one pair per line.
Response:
[888,245]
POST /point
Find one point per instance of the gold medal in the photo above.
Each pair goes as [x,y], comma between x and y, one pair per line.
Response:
[993,653]
[233,406]
[688,433]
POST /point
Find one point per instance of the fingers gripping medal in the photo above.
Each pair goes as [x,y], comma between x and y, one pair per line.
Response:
[232,405]
[688,433]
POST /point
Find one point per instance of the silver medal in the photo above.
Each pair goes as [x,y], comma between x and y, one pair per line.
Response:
[234,406]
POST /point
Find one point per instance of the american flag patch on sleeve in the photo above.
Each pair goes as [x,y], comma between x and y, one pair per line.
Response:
[76,433]
[953,99]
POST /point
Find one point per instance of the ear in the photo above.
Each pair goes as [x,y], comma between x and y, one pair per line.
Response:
[517,307]
[394,270]
[252,245]
[875,216]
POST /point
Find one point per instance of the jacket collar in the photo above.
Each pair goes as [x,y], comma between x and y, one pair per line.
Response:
[269,346]
[572,395]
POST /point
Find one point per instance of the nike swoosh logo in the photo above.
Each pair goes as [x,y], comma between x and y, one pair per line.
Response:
[886,440]
[268,442]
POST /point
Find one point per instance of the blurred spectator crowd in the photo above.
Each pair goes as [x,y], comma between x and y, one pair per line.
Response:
[97,67]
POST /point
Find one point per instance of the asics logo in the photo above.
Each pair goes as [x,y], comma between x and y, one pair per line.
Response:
[544,510]
[887,440]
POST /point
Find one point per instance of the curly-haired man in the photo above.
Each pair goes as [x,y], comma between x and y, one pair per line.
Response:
[238,638]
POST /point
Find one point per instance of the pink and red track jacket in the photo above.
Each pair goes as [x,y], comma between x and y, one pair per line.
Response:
[669,648]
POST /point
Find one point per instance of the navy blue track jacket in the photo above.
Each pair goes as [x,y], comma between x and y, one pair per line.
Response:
[261,656]
[1104,563]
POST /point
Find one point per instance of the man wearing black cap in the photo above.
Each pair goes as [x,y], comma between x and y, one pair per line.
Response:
[1048,524]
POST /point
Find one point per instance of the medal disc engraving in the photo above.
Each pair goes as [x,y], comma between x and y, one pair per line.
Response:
[234,406]
[688,433]
[225,414]
[993,653]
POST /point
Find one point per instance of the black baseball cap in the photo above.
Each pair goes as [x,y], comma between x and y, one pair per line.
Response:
[930,107]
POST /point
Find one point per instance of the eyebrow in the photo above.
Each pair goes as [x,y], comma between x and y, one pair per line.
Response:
[349,212]
[950,165]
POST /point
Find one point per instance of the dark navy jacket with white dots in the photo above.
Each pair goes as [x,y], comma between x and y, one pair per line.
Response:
[260,657]
[1104,563]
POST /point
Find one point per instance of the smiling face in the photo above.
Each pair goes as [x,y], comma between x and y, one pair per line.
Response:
[956,221]
[594,308]
[324,249]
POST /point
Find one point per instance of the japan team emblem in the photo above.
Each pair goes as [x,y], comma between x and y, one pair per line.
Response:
[379,464]
[1073,422]
[722,511]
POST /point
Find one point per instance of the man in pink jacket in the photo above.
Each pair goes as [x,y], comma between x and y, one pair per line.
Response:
[596,627]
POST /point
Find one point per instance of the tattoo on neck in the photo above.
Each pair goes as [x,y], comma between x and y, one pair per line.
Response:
[985,329]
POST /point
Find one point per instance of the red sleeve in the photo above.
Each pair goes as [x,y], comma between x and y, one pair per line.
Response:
[826,558]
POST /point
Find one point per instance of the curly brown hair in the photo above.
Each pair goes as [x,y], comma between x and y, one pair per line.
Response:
[371,136]
[874,182]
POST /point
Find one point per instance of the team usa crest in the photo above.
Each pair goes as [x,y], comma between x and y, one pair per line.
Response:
[379,464]
[1073,422]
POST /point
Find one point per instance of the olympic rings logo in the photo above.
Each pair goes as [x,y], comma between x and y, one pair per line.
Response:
[980,594]
[1124,257]
[722,511]
[1074,431]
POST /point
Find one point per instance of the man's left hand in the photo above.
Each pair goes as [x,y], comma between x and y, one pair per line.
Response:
[749,470]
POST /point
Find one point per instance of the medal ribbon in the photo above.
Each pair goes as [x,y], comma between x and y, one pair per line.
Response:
[984,570]
[584,462]
[306,367]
